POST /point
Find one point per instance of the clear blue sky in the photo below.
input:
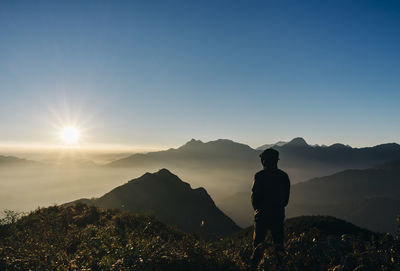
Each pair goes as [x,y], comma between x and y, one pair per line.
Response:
[157,73]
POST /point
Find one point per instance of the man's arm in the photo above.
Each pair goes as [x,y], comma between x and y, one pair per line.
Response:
[286,190]
[255,194]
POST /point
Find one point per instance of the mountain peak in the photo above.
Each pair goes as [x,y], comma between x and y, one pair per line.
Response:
[297,142]
[192,143]
[339,146]
[162,177]
[164,171]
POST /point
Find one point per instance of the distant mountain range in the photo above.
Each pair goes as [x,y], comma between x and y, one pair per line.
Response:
[195,154]
[224,165]
[11,161]
[367,197]
[172,201]
[295,155]
[234,163]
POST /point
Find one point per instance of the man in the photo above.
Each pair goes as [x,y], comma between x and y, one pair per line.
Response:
[269,197]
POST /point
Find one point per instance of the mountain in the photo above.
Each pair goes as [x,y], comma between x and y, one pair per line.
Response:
[12,161]
[303,162]
[339,154]
[219,166]
[375,213]
[224,165]
[297,142]
[172,201]
[81,237]
[353,184]
[369,198]
[194,153]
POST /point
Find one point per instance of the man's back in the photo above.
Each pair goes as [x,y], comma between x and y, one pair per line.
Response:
[270,191]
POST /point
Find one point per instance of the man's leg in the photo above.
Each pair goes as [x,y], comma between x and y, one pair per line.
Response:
[277,232]
[277,237]
[260,231]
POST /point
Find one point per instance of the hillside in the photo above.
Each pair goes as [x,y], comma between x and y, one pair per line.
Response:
[349,185]
[82,237]
[368,198]
[172,201]
[378,214]
[87,238]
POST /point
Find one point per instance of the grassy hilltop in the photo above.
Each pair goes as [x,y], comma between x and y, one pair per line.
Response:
[88,238]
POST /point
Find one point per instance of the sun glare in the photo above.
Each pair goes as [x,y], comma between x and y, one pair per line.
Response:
[69,135]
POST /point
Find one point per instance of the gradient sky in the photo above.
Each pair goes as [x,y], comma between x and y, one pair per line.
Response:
[158,73]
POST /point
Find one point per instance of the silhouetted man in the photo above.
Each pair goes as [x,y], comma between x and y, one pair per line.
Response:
[270,195]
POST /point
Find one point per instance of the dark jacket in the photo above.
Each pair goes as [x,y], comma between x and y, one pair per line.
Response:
[270,192]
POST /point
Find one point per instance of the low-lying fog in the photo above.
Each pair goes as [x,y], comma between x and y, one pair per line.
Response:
[24,188]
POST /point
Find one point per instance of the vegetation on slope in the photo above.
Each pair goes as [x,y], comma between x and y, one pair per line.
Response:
[315,243]
[87,238]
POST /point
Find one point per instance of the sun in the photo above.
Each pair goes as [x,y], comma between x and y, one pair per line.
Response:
[70,135]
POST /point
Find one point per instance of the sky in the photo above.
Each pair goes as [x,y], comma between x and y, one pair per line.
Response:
[154,74]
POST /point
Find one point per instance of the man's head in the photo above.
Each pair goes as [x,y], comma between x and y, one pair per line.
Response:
[269,157]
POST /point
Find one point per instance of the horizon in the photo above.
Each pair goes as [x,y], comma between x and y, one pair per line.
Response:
[45,152]
[152,75]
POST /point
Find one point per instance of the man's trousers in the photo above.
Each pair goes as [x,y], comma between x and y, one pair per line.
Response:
[264,223]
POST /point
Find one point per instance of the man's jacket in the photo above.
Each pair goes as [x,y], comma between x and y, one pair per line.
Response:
[270,193]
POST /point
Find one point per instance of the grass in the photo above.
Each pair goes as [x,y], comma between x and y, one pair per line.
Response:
[87,238]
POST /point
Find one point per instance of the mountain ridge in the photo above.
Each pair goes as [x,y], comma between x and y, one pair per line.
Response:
[222,165]
[171,200]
